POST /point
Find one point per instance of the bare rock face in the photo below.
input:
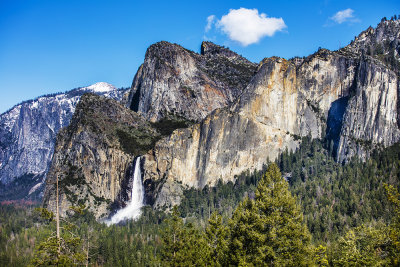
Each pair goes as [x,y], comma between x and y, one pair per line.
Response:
[346,96]
[284,101]
[371,117]
[174,80]
[94,154]
[382,42]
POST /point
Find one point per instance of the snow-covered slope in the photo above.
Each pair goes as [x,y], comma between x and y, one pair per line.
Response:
[28,131]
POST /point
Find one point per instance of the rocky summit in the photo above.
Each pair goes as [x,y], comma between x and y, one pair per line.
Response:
[174,80]
[200,118]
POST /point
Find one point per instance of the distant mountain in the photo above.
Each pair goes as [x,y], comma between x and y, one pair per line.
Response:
[27,136]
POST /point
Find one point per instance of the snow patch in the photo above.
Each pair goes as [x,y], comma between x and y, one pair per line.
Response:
[10,117]
[100,87]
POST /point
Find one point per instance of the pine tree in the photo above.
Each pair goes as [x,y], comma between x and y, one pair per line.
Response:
[269,230]
[363,246]
[394,228]
[183,245]
[64,248]
[217,243]
[320,257]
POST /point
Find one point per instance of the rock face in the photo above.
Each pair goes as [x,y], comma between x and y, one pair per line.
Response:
[28,131]
[381,42]
[371,117]
[245,115]
[346,96]
[284,101]
[174,80]
[94,155]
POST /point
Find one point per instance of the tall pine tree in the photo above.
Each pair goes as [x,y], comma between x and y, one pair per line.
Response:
[269,230]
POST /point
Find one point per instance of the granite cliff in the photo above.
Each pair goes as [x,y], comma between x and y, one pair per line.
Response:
[172,89]
[174,80]
[346,96]
[214,115]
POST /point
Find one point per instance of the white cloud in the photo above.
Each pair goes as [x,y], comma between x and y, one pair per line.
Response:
[210,21]
[343,16]
[247,26]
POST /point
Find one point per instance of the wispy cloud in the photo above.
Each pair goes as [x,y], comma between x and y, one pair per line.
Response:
[210,22]
[346,15]
[246,26]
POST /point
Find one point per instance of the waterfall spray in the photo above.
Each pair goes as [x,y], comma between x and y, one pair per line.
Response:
[133,209]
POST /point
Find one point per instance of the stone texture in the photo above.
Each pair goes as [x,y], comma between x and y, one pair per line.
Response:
[174,80]
[344,95]
[371,118]
[94,154]
[284,101]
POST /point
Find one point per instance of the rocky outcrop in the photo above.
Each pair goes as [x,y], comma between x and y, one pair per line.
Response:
[382,43]
[371,117]
[28,132]
[284,101]
[174,80]
[346,97]
[94,154]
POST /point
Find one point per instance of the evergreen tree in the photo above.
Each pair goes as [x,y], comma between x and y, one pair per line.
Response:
[217,242]
[62,249]
[363,246]
[183,245]
[269,230]
[320,257]
[394,228]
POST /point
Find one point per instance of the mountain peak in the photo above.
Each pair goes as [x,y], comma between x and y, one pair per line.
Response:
[381,43]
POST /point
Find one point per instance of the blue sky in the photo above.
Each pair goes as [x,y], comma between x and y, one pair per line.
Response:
[52,46]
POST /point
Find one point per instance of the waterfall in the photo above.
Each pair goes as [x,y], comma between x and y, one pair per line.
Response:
[133,209]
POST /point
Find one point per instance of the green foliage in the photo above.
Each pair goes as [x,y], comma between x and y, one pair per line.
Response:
[47,252]
[223,198]
[132,244]
[320,257]
[362,246]
[171,122]
[66,250]
[269,229]
[183,244]
[394,228]
[352,215]
[136,141]
[335,198]
[216,235]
